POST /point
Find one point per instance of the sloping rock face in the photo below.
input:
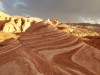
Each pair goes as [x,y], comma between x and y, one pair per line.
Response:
[45,50]
[66,54]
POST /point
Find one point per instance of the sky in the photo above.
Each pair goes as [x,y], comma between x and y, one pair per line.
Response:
[63,10]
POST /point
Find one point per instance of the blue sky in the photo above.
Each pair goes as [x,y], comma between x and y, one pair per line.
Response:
[63,10]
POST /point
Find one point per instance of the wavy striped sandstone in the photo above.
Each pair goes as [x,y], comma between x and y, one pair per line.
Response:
[66,54]
[45,50]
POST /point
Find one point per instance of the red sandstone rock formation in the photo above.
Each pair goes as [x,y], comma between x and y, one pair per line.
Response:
[64,54]
[43,49]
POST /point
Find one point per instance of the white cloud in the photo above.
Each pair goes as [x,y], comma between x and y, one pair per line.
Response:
[19,5]
[89,20]
[1,6]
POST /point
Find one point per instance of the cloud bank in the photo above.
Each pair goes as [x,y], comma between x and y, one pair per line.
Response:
[64,10]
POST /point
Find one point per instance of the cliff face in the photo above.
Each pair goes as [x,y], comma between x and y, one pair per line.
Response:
[16,24]
[3,19]
[44,48]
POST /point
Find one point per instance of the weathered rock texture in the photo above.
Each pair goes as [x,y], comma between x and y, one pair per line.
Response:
[44,49]
[3,19]
[16,24]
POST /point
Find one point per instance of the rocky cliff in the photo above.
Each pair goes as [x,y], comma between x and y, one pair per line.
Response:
[16,24]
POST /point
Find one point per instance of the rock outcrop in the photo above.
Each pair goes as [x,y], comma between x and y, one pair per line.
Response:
[3,19]
[16,24]
[19,24]
[45,49]
[66,53]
